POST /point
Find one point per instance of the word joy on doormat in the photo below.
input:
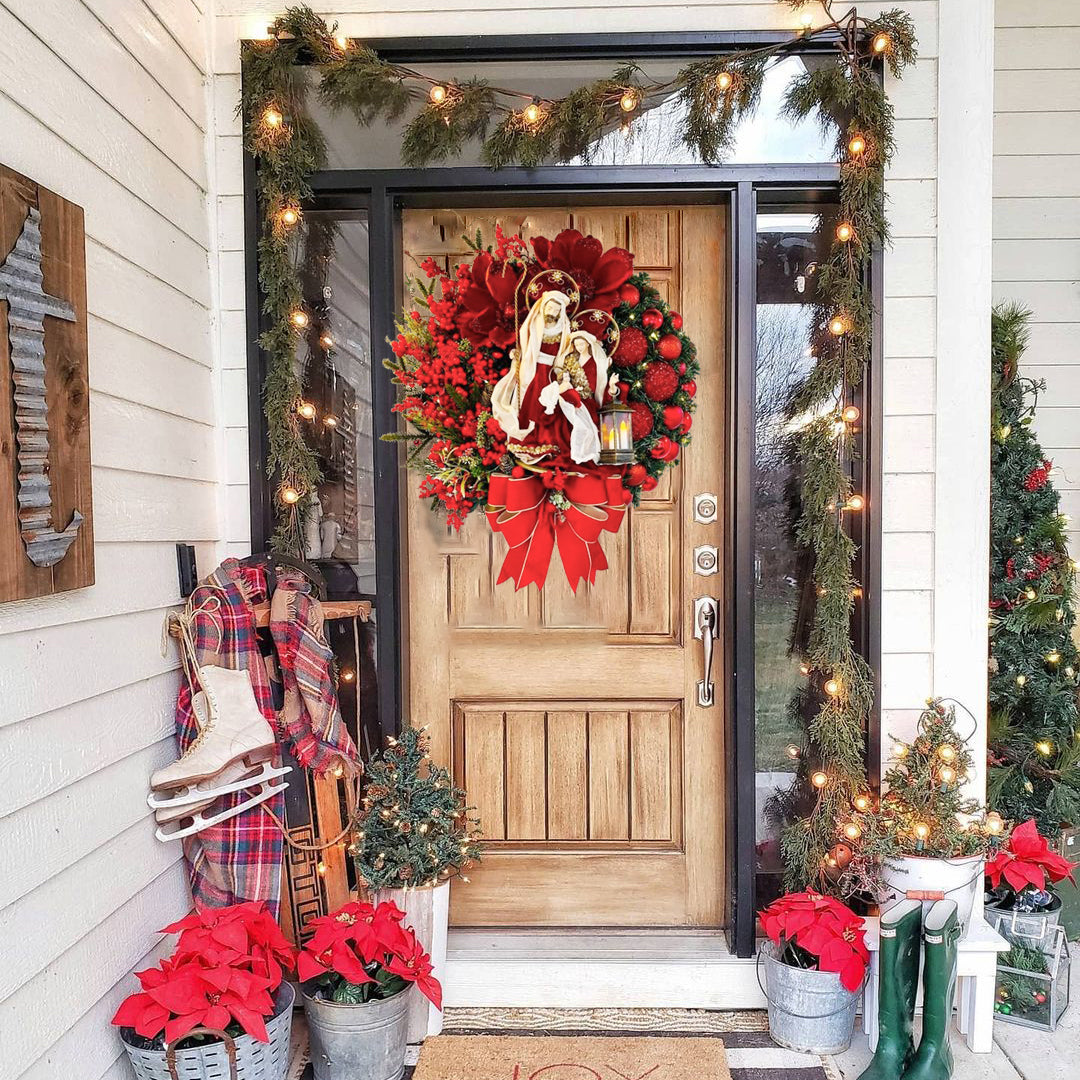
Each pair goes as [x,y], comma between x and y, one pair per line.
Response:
[553,1057]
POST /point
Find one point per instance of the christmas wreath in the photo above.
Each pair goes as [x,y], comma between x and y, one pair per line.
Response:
[550,386]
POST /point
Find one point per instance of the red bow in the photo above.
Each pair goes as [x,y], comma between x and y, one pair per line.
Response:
[524,511]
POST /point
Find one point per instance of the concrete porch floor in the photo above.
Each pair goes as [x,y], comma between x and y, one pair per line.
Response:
[1019,1053]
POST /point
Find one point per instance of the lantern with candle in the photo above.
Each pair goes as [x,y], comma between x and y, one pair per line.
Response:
[616,433]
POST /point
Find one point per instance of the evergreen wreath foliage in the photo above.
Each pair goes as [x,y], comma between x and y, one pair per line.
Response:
[1034,752]
[521,128]
[414,828]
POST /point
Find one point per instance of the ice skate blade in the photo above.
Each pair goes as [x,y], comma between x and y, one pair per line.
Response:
[161,800]
[247,760]
[188,826]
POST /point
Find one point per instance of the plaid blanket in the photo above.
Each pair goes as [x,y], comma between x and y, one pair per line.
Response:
[240,859]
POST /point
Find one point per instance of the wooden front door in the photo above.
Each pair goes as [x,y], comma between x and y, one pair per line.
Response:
[573,721]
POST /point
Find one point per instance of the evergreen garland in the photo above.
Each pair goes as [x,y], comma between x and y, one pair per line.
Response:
[520,128]
[414,828]
[1034,753]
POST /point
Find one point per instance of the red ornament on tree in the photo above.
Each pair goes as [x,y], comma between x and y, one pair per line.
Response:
[652,319]
[673,416]
[681,369]
[630,294]
[688,420]
[636,474]
[690,387]
[669,347]
[676,320]
[649,483]
[660,381]
[661,448]
[632,347]
[641,420]
[1038,476]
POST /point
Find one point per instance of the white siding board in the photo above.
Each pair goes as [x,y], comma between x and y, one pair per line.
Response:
[1037,260]
[1029,47]
[39,758]
[907,560]
[143,508]
[907,502]
[1036,90]
[916,151]
[909,616]
[230,222]
[1035,133]
[1053,343]
[909,327]
[912,207]
[1062,385]
[1057,429]
[909,267]
[1052,301]
[186,26]
[1022,175]
[908,443]
[1036,216]
[909,387]
[906,680]
[1037,13]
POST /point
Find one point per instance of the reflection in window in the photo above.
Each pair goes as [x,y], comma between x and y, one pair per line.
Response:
[652,139]
[789,246]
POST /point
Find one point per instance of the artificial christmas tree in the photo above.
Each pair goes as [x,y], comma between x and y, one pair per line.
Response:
[1034,756]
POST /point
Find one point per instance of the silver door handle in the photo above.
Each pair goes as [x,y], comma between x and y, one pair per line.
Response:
[706,621]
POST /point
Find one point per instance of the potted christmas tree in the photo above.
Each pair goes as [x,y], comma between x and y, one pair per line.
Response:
[358,969]
[928,836]
[413,835]
[1021,878]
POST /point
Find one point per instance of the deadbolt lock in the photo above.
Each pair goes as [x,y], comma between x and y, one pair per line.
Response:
[705,508]
[706,560]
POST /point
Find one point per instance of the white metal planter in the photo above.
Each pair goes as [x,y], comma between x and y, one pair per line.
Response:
[915,877]
[810,1011]
[358,1042]
[427,911]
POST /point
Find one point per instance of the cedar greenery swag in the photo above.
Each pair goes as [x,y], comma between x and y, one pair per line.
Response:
[518,127]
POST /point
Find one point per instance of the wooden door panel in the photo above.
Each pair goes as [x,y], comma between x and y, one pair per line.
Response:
[597,807]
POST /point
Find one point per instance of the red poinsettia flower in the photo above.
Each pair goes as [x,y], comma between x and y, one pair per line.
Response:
[358,940]
[1026,861]
[825,928]
[487,314]
[599,274]
[244,935]
[177,997]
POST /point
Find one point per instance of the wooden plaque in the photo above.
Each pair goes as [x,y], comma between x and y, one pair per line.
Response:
[46,514]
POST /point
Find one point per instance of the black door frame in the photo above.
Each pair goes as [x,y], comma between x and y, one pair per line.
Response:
[383,193]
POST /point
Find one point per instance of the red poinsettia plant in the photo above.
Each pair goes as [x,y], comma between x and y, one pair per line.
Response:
[222,974]
[818,932]
[363,952]
[1026,864]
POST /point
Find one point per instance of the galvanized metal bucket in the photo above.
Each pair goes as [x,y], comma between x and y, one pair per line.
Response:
[353,1041]
[809,1011]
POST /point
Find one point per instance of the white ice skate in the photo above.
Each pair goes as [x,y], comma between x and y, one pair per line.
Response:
[232,752]
[184,821]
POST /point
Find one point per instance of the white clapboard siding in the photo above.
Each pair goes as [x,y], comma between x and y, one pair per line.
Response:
[1037,211]
[107,103]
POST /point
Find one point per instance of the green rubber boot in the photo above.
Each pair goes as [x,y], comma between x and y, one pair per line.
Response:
[941,931]
[898,983]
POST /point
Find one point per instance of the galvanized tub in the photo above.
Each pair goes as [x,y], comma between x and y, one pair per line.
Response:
[809,1011]
[350,1042]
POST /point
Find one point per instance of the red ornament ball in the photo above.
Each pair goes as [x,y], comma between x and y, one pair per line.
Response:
[676,320]
[630,294]
[669,347]
[660,381]
[517,472]
[632,347]
[673,416]
[641,419]
[649,483]
[627,496]
[662,447]
[681,369]
[687,423]
[690,387]
[652,318]
[636,474]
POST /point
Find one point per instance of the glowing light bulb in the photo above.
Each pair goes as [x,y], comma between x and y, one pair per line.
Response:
[807,20]
[804,669]
[819,779]
[861,802]
[299,319]
[306,410]
[1021,680]
[851,413]
[289,216]
[629,101]
[342,42]
[437,94]
[921,830]
[856,146]
[1053,657]
[1005,431]
[532,113]
[1045,747]
[901,750]
[290,495]
[793,751]
[947,752]
[852,831]
[330,420]
[321,868]
[881,43]
[272,118]
[838,325]
[855,502]
[832,687]
[946,774]
[347,674]
[326,341]
[1070,671]
[724,81]
[1030,594]
[339,771]
[994,823]
[844,232]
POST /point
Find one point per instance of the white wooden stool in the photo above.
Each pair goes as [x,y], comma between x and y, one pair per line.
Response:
[976,970]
